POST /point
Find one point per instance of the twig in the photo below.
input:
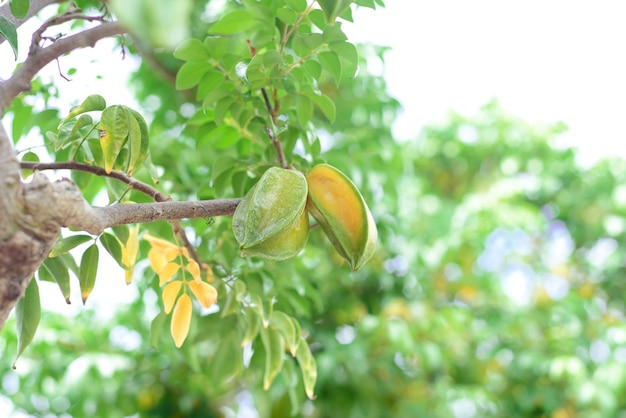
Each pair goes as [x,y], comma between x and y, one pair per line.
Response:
[72,14]
[22,77]
[273,111]
[33,8]
[98,171]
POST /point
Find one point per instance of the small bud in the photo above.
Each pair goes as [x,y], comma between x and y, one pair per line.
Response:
[338,207]
[271,221]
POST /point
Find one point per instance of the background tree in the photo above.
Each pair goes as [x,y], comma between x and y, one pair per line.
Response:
[496,290]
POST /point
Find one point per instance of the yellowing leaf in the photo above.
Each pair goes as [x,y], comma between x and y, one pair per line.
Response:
[157,259]
[181,320]
[130,251]
[204,292]
[158,243]
[170,292]
[171,253]
[113,134]
[168,272]
[273,344]
[194,269]
[308,366]
[210,277]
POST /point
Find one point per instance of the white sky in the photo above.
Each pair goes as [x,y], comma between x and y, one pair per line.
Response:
[544,60]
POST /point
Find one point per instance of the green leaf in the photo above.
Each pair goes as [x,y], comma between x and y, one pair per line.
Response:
[7,29]
[87,271]
[318,18]
[313,67]
[287,15]
[19,8]
[345,50]
[113,134]
[30,157]
[304,110]
[253,325]
[67,243]
[308,368]
[274,357]
[27,316]
[214,96]
[333,8]
[334,34]
[232,300]
[223,136]
[228,359]
[135,156]
[122,232]
[234,22]
[349,58]
[155,329]
[325,104]
[221,165]
[285,325]
[190,74]
[139,148]
[58,271]
[221,109]
[192,50]
[91,103]
[297,5]
[112,245]
[330,62]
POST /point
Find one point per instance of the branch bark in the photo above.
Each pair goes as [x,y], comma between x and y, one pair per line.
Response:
[96,219]
[34,7]
[39,57]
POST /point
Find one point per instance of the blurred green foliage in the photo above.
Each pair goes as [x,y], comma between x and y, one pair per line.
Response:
[497,290]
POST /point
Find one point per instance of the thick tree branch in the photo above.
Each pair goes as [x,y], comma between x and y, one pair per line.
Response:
[35,6]
[135,185]
[96,219]
[40,57]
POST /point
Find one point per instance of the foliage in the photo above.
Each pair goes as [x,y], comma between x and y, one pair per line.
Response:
[495,291]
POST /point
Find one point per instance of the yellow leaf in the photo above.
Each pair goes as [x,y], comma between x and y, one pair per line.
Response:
[157,260]
[158,243]
[131,247]
[194,269]
[130,251]
[181,320]
[168,272]
[204,292]
[170,292]
[171,253]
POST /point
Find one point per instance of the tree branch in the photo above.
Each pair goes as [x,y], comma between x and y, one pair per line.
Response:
[33,8]
[96,219]
[141,187]
[99,171]
[40,57]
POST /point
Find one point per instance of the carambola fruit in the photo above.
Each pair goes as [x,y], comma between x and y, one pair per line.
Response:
[339,208]
[271,220]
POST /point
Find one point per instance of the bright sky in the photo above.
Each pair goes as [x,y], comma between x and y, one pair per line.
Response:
[544,60]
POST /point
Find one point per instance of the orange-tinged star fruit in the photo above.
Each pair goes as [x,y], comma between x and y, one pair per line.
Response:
[339,208]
